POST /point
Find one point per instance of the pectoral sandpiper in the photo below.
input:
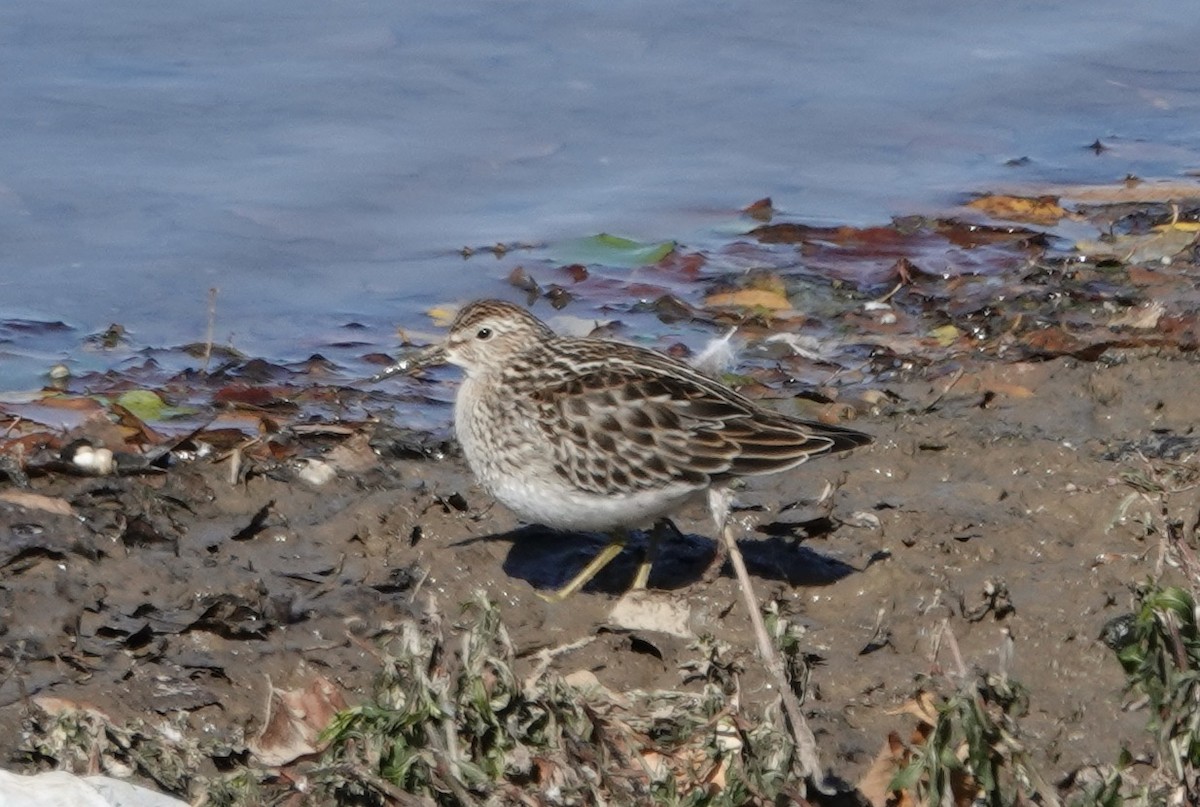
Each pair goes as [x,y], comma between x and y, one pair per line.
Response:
[584,434]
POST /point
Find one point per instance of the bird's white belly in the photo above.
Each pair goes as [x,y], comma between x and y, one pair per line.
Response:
[569,509]
[511,460]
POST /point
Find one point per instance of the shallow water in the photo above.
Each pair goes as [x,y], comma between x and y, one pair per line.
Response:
[322,163]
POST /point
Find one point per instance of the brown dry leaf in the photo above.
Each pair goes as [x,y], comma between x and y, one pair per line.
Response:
[790,233]
[769,299]
[254,396]
[586,681]
[1127,192]
[874,785]
[762,210]
[577,272]
[232,424]
[1146,277]
[1160,245]
[1052,341]
[354,455]
[832,413]
[33,438]
[294,722]
[58,412]
[971,236]
[55,706]
[137,430]
[521,279]
[1140,317]
[690,766]
[36,501]
[1030,209]
[99,430]
[997,380]
[74,404]
[922,706]
[1183,330]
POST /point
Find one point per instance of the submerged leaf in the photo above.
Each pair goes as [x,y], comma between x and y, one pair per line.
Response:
[749,298]
[143,404]
[946,335]
[1160,245]
[1031,209]
[613,250]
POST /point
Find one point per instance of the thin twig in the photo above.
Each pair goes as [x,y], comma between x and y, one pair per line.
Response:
[545,657]
[954,380]
[212,325]
[806,743]
[952,642]
[382,786]
[890,294]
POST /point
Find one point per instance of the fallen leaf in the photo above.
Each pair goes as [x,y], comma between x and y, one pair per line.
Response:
[1127,192]
[1030,209]
[442,315]
[1186,226]
[521,279]
[585,681]
[354,455]
[294,722]
[612,250]
[749,298]
[1140,317]
[253,395]
[946,335]
[1161,245]
[143,404]
[1052,341]
[36,501]
[55,706]
[922,706]
[641,610]
[875,784]
[998,379]
[762,210]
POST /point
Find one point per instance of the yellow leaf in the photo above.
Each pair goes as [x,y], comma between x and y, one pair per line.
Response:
[749,298]
[946,335]
[1184,226]
[1034,209]
[442,315]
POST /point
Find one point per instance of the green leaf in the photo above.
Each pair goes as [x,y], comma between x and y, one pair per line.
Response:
[612,250]
[143,404]
[907,777]
[1173,598]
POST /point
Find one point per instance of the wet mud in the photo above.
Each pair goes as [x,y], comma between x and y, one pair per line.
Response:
[990,526]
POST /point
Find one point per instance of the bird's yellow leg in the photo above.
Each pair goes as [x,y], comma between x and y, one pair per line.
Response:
[591,570]
[643,573]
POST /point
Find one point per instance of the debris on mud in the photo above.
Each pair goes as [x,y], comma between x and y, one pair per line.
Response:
[262,579]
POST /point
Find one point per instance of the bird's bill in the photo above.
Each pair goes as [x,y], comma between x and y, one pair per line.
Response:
[429,357]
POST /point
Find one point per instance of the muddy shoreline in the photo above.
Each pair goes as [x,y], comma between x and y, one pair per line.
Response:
[991,507]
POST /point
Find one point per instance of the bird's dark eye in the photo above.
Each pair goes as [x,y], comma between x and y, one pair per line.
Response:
[484,333]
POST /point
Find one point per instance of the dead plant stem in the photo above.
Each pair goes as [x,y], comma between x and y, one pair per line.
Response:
[806,743]
[958,374]
[212,325]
